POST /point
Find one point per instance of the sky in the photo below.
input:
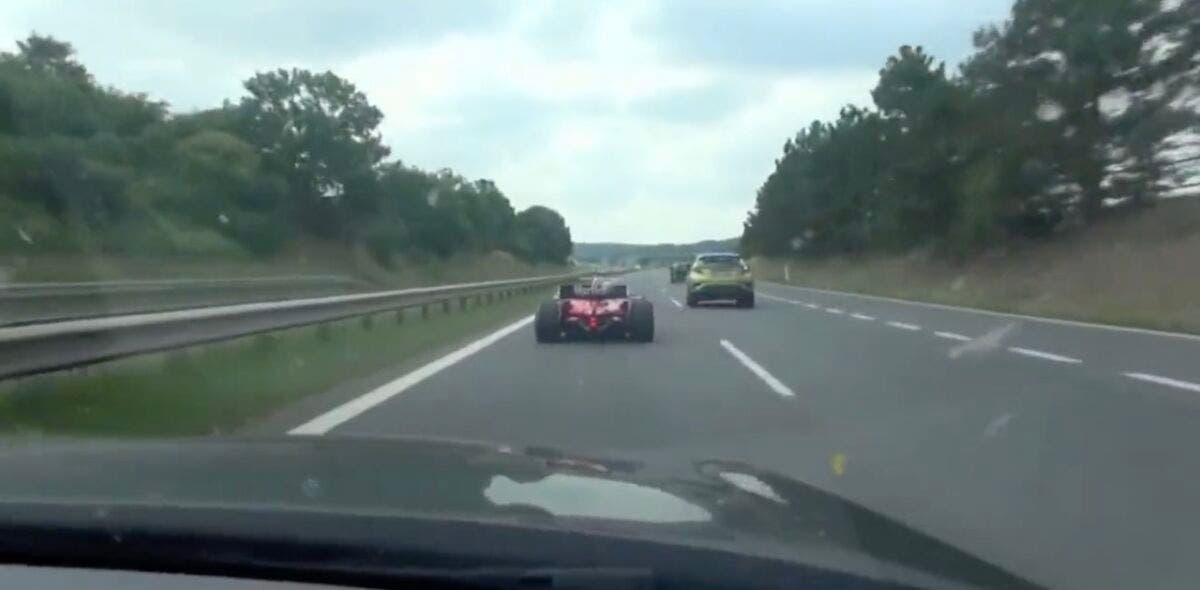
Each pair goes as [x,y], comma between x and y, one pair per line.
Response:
[641,121]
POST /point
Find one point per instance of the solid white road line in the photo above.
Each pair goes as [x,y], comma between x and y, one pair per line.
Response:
[952,336]
[834,310]
[776,385]
[904,326]
[1188,385]
[1058,358]
[676,302]
[335,417]
[859,316]
[1002,314]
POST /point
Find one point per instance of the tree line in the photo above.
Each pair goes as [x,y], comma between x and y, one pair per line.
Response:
[1068,111]
[90,168]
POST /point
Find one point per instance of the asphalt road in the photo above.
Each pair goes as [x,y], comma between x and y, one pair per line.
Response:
[1068,454]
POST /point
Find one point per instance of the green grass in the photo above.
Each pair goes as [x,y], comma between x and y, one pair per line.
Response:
[227,386]
[321,259]
[1135,270]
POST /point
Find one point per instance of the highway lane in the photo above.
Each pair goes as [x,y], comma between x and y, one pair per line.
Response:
[1115,350]
[1068,472]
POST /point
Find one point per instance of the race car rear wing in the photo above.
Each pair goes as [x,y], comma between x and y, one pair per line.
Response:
[573,291]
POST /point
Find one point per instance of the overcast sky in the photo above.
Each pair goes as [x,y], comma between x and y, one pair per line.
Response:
[640,121]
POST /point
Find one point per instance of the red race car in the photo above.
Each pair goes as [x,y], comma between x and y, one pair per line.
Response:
[601,309]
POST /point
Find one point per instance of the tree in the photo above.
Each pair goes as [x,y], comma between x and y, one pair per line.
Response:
[299,156]
[923,114]
[1067,108]
[541,235]
[319,132]
[47,56]
[1075,58]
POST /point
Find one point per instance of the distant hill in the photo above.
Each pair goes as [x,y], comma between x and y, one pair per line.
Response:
[618,253]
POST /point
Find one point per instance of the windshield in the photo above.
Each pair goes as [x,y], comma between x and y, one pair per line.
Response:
[720,262]
[937,259]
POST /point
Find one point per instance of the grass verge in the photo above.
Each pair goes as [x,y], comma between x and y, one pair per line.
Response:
[222,387]
[1133,270]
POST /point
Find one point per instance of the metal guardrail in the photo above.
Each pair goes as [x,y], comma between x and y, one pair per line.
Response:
[39,348]
[30,303]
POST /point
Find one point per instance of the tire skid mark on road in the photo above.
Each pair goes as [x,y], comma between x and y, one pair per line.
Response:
[775,384]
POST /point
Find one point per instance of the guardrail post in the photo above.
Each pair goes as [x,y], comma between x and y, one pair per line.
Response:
[478,300]
[139,336]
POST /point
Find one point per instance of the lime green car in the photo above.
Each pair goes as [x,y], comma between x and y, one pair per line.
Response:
[720,276]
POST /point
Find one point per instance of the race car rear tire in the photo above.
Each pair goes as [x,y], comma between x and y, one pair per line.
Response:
[547,324]
[641,321]
[747,301]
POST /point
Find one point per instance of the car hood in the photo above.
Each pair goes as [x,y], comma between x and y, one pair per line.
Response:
[727,504]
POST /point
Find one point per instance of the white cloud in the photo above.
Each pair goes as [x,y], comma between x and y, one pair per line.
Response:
[645,180]
[615,173]
[414,84]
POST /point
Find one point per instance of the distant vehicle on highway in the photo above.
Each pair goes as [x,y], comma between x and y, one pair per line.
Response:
[679,271]
[720,276]
[600,309]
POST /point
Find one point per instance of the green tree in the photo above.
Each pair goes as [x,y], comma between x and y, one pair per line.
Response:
[923,112]
[47,56]
[299,156]
[1074,57]
[319,132]
[541,235]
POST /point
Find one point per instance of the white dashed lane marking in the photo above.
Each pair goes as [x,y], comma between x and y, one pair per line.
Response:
[1048,356]
[780,299]
[952,336]
[776,385]
[1028,352]
[1169,382]
[676,302]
